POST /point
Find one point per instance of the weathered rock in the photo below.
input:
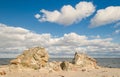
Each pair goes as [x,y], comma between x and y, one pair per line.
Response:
[64,65]
[33,58]
[2,72]
[15,61]
[37,58]
[59,66]
[54,66]
[84,61]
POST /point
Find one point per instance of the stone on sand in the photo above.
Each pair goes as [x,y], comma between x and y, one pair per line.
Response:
[32,58]
[65,65]
[84,60]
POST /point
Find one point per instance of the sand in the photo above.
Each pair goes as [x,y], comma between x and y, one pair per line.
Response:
[44,72]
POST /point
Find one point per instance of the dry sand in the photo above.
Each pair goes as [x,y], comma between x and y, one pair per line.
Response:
[101,72]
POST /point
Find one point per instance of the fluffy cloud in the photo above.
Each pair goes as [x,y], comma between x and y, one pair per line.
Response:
[37,16]
[117,31]
[13,40]
[106,16]
[68,14]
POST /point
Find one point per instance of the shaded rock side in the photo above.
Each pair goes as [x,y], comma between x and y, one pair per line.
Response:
[84,60]
[33,58]
[65,65]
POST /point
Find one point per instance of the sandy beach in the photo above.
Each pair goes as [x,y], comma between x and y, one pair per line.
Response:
[44,72]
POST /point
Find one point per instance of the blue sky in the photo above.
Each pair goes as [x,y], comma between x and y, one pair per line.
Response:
[21,13]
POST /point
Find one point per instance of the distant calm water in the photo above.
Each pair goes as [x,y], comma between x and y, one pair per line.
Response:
[105,62]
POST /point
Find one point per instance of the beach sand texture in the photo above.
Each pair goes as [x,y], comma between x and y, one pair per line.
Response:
[101,72]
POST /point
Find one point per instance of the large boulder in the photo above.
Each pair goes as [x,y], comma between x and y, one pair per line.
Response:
[84,60]
[36,58]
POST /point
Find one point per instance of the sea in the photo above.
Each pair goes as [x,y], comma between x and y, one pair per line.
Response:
[104,62]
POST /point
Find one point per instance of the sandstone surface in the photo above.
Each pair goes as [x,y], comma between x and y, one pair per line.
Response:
[84,60]
[38,57]
[32,58]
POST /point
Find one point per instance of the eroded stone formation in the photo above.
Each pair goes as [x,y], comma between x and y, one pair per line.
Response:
[33,58]
[84,60]
[37,58]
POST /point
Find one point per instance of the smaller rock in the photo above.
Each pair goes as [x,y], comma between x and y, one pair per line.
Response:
[2,72]
[64,65]
[83,70]
[54,66]
[15,61]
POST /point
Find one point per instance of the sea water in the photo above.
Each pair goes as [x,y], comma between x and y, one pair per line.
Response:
[104,62]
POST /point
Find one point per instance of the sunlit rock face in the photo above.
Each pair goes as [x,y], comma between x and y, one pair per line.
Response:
[36,58]
[84,60]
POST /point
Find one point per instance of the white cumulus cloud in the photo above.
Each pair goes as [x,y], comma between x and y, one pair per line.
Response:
[68,14]
[13,40]
[37,16]
[105,16]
